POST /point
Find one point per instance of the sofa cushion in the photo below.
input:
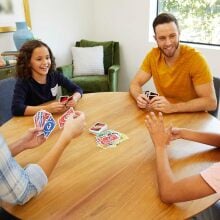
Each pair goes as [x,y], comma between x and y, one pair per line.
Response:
[108,50]
[88,61]
[92,83]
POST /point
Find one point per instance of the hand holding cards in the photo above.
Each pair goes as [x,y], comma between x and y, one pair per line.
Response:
[66,99]
[63,118]
[45,120]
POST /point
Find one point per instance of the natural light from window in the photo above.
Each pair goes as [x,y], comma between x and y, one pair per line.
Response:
[199,20]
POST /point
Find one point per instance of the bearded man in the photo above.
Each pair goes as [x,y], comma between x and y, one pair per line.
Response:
[180,73]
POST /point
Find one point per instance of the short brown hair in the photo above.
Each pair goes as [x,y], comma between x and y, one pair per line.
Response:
[164,18]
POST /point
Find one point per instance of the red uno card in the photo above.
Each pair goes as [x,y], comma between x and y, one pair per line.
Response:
[63,99]
[70,98]
[63,118]
[152,95]
[98,127]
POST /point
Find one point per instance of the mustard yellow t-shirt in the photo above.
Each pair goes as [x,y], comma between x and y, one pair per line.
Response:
[177,83]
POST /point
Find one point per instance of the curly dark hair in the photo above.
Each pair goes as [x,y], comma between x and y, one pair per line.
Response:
[164,18]
[23,69]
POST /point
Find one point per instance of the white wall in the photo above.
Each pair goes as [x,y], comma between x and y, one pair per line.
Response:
[61,23]
[127,21]
[57,23]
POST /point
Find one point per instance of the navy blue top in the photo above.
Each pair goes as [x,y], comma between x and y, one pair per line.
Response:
[29,92]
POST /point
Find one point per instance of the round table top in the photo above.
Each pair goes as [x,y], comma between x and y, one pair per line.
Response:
[118,183]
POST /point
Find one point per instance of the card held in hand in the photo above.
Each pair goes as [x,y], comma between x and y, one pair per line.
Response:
[45,120]
[150,94]
[63,118]
[49,126]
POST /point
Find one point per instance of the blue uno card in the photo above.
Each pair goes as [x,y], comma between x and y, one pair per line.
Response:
[49,126]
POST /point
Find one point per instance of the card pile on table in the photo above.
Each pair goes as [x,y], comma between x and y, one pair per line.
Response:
[45,120]
[110,139]
[98,127]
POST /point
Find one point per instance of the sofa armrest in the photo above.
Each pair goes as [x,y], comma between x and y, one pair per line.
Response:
[67,70]
[113,77]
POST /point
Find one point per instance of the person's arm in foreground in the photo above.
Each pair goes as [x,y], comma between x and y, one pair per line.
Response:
[170,189]
[30,140]
[197,136]
[139,80]
[73,128]
[31,180]
[206,101]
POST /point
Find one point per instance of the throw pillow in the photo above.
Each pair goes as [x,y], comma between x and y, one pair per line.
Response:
[88,60]
[108,50]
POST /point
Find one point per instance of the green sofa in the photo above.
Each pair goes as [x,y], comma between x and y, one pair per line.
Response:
[97,83]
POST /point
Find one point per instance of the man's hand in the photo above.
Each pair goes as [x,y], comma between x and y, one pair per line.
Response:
[142,101]
[161,104]
[159,134]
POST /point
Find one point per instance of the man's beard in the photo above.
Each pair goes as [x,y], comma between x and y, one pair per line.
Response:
[169,54]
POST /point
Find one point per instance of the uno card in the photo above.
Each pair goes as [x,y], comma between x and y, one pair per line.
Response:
[147,93]
[45,120]
[98,127]
[63,99]
[110,139]
[70,98]
[63,118]
[49,126]
[152,95]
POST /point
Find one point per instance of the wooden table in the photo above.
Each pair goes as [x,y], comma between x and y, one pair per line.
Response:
[93,183]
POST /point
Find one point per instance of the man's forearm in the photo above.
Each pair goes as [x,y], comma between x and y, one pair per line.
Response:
[198,104]
[135,91]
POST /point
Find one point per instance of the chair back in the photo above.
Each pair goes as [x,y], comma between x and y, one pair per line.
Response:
[6,95]
[110,47]
[216,82]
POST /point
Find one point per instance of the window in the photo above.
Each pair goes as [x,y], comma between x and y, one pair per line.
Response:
[199,20]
